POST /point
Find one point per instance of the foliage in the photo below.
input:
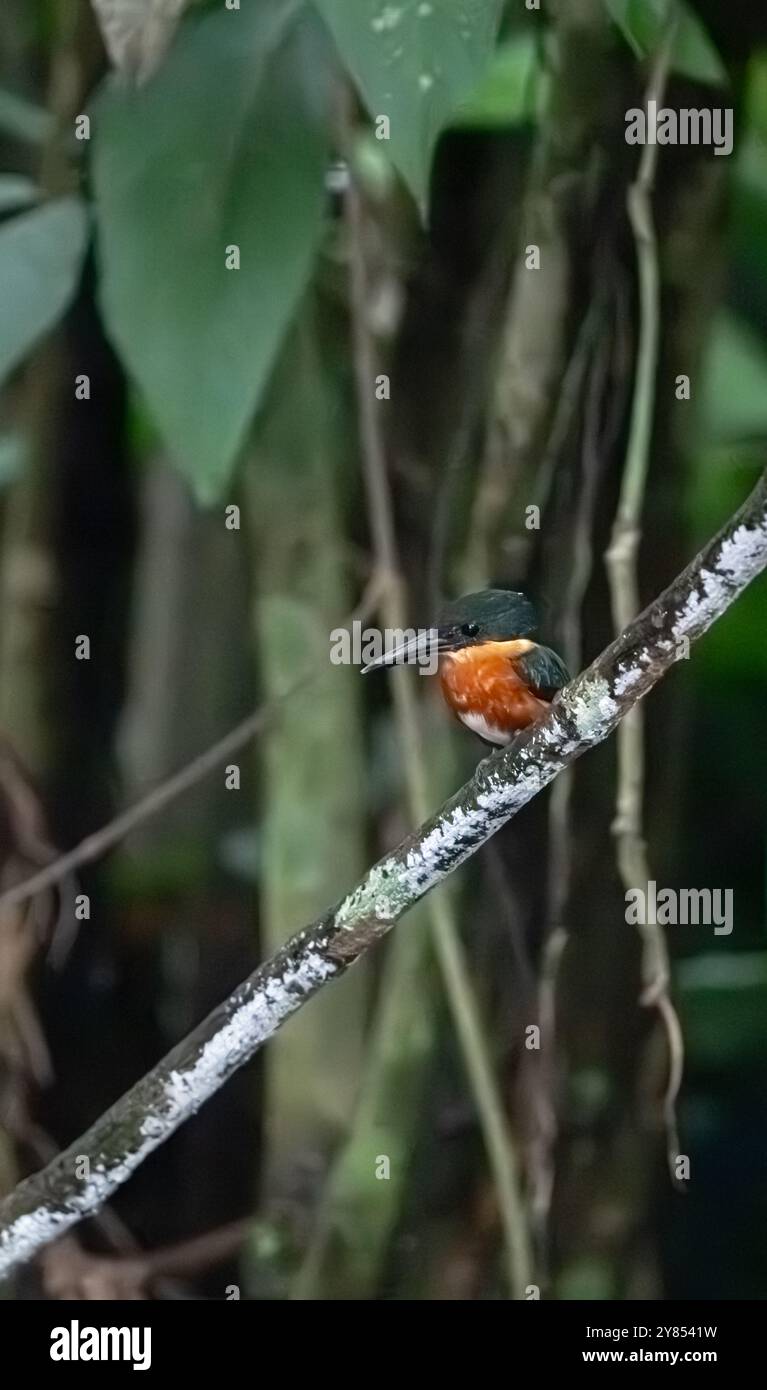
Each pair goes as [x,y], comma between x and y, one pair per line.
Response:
[414,61]
[226,148]
[41,254]
[642,22]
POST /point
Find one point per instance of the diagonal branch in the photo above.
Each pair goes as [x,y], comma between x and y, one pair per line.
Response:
[96,845]
[48,1203]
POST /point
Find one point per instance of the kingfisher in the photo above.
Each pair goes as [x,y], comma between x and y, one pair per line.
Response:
[493,677]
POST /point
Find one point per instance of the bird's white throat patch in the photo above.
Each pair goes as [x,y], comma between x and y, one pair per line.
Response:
[479,725]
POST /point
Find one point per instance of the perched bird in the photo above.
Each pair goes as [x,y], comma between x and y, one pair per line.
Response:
[493,677]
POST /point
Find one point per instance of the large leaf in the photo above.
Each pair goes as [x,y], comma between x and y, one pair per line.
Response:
[225,146]
[642,22]
[40,258]
[414,61]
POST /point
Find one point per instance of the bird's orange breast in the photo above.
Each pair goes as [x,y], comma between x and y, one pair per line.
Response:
[482,687]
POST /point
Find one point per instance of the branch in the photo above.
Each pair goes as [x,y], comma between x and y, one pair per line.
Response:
[75,1274]
[48,1203]
[94,846]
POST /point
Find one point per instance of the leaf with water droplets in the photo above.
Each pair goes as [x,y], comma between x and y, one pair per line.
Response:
[137,33]
[225,149]
[413,62]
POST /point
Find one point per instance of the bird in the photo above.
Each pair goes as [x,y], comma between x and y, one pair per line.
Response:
[494,678]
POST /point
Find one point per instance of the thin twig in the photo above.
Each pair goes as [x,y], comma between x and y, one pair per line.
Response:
[560,855]
[621,560]
[70,1272]
[97,844]
[47,1204]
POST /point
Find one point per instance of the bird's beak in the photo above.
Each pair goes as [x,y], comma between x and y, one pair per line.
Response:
[448,640]
[417,648]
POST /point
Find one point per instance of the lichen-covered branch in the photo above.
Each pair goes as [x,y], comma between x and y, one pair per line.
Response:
[48,1203]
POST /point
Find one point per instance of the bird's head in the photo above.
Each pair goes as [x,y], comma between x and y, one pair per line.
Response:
[491,615]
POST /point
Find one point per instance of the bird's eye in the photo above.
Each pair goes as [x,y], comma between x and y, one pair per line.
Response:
[470,629]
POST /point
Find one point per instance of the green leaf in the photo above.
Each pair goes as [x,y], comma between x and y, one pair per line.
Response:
[41,254]
[16,191]
[734,384]
[226,146]
[642,23]
[756,94]
[511,91]
[22,120]
[413,61]
[722,998]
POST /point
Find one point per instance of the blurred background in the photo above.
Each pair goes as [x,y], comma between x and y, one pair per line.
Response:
[319,291]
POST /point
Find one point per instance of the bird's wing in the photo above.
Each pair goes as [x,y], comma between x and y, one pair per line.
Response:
[542,671]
